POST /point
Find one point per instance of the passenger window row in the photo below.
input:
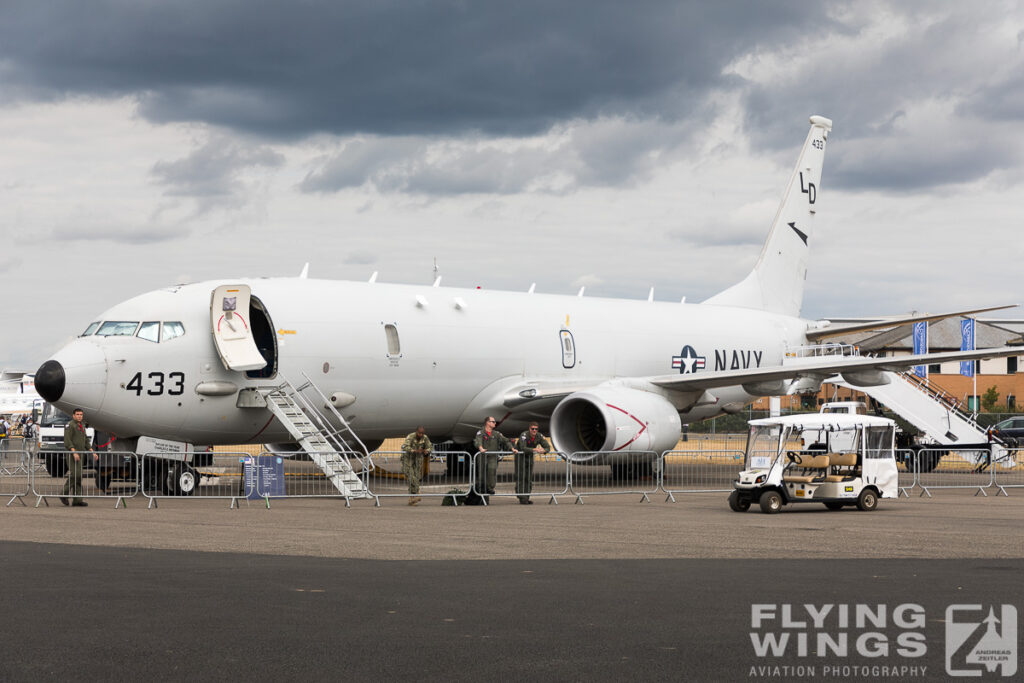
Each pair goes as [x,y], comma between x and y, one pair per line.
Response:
[149,330]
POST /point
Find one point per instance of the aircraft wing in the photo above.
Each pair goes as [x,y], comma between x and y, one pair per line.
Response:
[821,367]
[829,330]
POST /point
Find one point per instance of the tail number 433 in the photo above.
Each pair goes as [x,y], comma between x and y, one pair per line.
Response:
[156,384]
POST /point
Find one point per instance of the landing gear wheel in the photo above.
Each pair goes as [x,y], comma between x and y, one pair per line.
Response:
[831,505]
[180,480]
[867,500]
[770,502]
[737,504]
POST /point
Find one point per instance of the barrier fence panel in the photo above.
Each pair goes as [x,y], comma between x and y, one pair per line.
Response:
[906,467]
[599,473]
[938,468]
[522,476]
[101,475]
[14,456]
[700,471]
[436,479]
[492,473]
[1008,470]
[14,472]
[297,475]
[226,475]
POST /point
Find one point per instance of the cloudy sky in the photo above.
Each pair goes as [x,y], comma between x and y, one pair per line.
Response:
[614,145]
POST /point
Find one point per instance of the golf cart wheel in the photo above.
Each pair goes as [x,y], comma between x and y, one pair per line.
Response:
[770,502]
[867,500]
[832,505]
[737,504]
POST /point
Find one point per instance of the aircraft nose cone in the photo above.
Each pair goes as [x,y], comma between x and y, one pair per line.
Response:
[50,380]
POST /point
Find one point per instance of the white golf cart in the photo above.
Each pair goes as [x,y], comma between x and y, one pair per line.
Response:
[852,462]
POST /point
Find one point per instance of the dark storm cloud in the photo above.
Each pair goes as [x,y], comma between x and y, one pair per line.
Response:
[294,68]
[907,106]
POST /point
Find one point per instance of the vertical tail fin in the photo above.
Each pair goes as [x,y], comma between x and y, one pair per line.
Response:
[777,282]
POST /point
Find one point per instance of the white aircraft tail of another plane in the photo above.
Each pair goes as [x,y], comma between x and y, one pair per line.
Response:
[776,284]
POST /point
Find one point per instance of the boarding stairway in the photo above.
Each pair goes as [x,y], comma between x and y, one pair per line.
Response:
[932,411]
[326,445]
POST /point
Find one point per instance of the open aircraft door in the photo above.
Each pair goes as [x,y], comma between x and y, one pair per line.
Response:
[232,332]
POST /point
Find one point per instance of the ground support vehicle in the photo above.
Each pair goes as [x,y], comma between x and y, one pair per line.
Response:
[857,466]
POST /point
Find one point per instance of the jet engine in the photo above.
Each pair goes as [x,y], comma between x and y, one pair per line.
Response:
[613,419]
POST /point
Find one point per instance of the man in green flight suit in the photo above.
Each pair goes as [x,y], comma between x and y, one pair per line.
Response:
[489,442]
[76,443]
[530,442]
[415,450]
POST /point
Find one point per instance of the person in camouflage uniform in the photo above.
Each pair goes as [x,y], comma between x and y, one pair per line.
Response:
[415,449]
[76,443]
[530,442]
[489,441]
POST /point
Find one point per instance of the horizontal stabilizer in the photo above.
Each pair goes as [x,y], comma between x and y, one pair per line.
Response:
[885,323]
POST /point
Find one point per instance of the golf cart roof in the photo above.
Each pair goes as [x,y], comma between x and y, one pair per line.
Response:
[830,421]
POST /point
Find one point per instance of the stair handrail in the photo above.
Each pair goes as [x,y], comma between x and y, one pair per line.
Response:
[326,429]
[942,398]
[335,434]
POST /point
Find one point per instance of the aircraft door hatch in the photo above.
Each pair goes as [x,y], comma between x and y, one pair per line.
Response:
[568,349]
[233,330]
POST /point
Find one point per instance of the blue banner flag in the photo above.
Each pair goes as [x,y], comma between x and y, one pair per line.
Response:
[967,344]
[921,346]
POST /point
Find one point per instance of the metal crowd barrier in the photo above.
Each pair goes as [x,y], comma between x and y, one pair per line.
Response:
[297,475]
[699,472]
[938,468]
[15,472]
[104,475]
[640,476]
[1008,470]
[387,480]
[550,476]
[228,478]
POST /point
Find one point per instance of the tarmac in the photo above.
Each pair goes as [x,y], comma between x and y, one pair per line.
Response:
[609,589]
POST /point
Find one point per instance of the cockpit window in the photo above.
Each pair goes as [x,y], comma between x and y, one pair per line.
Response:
[117,328]
[89,330]
[150,331]
[173,329]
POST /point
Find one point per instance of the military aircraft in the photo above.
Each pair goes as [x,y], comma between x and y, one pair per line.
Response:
[17,393]
[620,377]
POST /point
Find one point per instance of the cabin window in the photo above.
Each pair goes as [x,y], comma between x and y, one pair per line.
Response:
[91,329]
[117,328]
[394,345]
[173,329]
[150,331]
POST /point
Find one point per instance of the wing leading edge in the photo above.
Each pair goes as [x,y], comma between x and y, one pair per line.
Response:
[822,367]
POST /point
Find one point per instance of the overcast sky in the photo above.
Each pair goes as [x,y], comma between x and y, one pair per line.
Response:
[614,145]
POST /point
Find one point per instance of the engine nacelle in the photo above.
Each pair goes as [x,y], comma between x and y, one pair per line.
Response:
[614,419]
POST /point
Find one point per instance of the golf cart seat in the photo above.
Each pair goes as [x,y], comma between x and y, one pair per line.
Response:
[813,468]
[846,461]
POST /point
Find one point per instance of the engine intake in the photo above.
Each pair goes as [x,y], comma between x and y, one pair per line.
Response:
[614,419]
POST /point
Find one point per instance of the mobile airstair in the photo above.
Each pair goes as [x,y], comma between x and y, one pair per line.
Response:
[929,409]
[327,446]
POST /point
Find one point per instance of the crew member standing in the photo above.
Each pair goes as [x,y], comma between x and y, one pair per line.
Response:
[415,450]
[76,443]
[530,442]
[489,441]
